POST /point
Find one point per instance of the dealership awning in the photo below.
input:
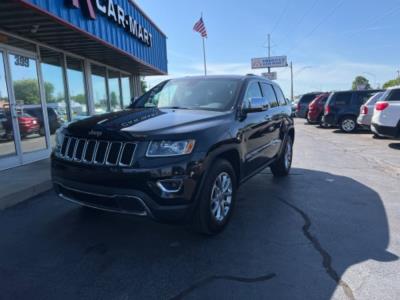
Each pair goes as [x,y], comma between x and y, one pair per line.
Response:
[26,20]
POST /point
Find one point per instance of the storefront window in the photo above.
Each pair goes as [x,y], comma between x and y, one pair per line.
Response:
[51,63]
[114,90]
[77,92]
[126,91]
[99,89]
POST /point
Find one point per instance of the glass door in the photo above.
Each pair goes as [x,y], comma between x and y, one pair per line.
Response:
[8,147]
[25,122]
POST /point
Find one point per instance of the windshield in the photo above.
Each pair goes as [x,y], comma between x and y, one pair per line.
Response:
[192,93]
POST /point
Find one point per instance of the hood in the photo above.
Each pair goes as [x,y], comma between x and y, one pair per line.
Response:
[146,121]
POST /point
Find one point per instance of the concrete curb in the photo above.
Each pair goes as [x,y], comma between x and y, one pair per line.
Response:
[24,194]
[25,182]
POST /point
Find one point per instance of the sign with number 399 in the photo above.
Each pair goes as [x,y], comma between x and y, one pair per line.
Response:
[21,61]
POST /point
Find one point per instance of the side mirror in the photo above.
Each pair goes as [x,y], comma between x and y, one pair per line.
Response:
[256,105]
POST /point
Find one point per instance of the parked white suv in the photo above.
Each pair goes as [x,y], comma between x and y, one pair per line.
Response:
[386,118]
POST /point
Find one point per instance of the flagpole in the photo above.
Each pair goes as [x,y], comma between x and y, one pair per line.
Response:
[204,56]
[204,51]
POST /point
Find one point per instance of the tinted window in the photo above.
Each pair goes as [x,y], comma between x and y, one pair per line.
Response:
[342,99]
[280,96]
[269,94]
[307,98]
[253,91]
[394,95]
[362,98]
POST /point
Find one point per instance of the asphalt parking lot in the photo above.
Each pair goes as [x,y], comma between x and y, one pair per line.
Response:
[330,230]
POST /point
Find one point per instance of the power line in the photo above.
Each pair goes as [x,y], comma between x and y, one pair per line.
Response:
[278,21]
[318,25]
[374,21]
[306,13]
[303,17]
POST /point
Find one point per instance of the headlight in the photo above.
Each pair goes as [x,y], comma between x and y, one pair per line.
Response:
[59,138]
[170,148]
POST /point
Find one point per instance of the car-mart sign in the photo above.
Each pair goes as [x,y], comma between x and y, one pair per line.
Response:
[116,14]
[269,62]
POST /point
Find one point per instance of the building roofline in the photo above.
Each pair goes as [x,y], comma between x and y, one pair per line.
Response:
[156,69]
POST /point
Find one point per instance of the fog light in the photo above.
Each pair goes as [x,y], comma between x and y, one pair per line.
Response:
[170,185]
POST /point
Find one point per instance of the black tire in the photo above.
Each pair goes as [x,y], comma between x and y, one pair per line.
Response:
[281,167]
[204,220]
[348,124]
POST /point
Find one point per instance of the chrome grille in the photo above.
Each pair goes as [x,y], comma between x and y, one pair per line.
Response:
[108,153]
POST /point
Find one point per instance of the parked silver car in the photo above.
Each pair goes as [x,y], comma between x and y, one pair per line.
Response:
[367,110]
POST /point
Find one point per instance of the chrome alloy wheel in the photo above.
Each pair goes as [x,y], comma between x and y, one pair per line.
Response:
[221,196]
[288,155]
[348,125]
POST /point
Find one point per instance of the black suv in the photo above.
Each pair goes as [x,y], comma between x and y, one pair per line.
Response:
[343,108]
[179,152]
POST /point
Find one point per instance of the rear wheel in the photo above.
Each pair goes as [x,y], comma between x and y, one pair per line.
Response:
[282,166]
[348,124]
[217,199]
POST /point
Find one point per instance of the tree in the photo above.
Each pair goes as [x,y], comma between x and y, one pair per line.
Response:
[391,83]
[143,86]
[360,82]
[27,91]
[114,100]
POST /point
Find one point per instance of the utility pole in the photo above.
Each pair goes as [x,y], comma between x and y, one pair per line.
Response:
[291,81]
[269,49]
[398,74]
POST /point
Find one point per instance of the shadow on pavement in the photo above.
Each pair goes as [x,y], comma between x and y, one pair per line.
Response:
[289,239]
[357,132]
[395,146]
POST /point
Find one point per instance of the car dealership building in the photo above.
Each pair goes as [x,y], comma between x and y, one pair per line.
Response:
[62,60]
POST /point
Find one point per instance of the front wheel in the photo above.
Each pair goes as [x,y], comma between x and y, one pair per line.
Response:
[217,199]
[282,166]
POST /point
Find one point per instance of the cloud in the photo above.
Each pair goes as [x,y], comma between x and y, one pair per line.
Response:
[336,75]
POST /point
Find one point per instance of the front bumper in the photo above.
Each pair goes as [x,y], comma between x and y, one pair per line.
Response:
[386,131]
[130,190]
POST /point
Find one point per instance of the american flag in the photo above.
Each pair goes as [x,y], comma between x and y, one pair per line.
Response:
[201,28]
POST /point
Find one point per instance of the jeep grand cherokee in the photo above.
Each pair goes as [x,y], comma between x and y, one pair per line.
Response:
[179,152]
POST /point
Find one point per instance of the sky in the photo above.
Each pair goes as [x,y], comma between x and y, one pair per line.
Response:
[329,42]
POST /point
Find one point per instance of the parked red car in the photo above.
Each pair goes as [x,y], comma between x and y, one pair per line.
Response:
[316,109]
[27,124]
